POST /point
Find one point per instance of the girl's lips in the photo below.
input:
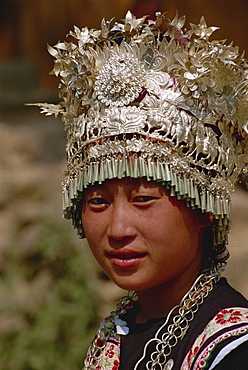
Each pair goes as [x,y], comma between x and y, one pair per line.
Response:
[126,260]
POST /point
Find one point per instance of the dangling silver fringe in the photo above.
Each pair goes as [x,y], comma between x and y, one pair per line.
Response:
[179,184]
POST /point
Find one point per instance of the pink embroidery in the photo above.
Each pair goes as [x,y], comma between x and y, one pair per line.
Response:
[205,355]
[224,319]
[110,352]
[231,316]
[192,353]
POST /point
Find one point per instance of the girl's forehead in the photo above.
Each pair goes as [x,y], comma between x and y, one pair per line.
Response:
[128,183]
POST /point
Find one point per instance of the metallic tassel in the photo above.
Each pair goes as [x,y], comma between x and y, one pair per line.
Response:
[120,169]
[158,171]
[110,169]
[150,168]
[203,201]
[142,167]
[172,191]
[115,167]
[136,173]
[80,182]
[96,172]
[167,172]
[101,173]
[197,197]
[71,190]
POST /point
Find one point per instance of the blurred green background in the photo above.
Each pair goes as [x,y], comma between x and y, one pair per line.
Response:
[52,293]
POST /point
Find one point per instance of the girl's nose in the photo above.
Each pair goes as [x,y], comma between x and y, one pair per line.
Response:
[121,224]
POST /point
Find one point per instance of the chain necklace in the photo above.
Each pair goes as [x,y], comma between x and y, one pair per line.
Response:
[166,341]
[187,308]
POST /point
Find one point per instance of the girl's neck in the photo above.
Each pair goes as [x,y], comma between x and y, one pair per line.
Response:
[158,302]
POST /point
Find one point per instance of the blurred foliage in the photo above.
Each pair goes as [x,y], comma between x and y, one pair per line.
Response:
[47,311]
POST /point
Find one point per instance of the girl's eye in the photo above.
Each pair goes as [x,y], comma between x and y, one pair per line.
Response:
[143,198]
[98,201]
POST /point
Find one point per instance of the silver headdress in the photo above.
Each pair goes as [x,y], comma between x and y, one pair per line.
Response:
[167,105]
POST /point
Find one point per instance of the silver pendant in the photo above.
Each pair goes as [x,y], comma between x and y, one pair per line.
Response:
[169,365]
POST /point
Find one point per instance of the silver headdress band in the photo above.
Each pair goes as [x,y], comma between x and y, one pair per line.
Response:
[167,105]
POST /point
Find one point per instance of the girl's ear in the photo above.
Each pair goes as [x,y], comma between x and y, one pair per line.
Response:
[207,219]
[210,218]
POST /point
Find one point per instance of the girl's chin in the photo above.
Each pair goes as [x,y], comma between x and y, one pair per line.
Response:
[130,284]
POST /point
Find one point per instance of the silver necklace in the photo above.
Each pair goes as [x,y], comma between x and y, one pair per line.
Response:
[187,308]
[166,341]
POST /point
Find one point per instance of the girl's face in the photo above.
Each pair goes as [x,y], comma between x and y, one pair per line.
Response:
[141,237]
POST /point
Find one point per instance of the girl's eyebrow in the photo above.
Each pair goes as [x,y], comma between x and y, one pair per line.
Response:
[134,182]
[96,186]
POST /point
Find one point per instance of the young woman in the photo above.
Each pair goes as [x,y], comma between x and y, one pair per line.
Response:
[156,139]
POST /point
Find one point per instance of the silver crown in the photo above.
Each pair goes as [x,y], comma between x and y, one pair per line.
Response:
[168,105]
